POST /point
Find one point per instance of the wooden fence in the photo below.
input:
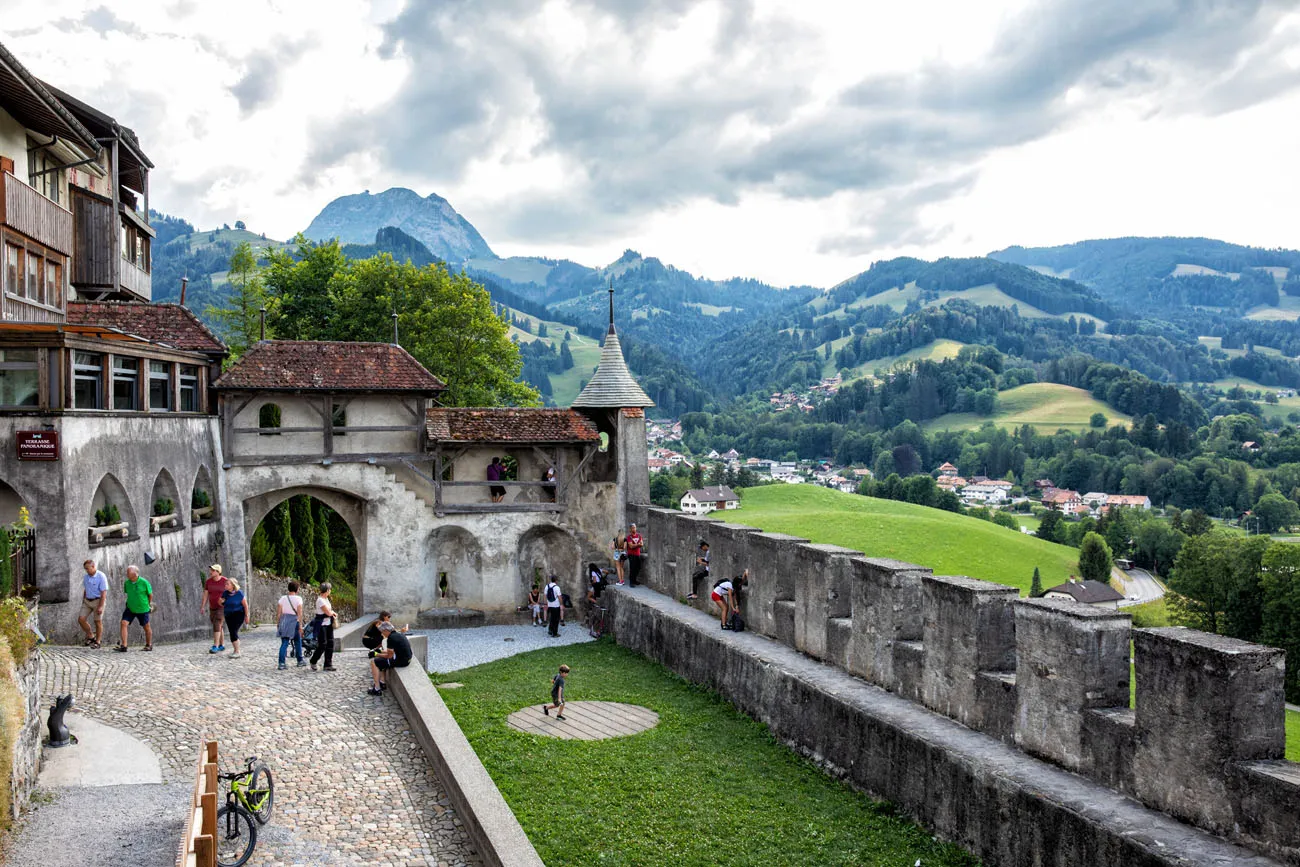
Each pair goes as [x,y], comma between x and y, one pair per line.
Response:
[22,559]
[199,845]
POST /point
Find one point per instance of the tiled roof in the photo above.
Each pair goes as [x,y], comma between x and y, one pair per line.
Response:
[1087,591]
[612,385]
[713,495]
[169,324]
[509,425]
[325,365]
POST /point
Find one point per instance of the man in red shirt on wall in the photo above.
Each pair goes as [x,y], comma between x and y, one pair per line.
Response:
[635,542]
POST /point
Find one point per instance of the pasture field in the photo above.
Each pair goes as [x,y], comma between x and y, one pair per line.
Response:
[1045,405]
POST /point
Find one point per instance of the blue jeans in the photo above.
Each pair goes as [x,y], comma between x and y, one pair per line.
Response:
[297,648]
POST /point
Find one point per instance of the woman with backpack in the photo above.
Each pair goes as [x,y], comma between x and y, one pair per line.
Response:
[726,595]
[554,601]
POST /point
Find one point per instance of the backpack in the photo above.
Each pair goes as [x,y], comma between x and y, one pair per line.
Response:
[719,582]
[550,593]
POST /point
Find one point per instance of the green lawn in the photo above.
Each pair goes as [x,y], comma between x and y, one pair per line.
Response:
[1045,405]
[948,543]
[707,786]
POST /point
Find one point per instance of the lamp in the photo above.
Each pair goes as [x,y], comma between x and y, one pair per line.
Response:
[149,558]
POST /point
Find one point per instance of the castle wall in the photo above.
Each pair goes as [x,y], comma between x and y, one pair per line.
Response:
[1204,746]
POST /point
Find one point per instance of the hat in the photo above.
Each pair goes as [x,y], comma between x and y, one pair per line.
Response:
[216,567]
[385,626]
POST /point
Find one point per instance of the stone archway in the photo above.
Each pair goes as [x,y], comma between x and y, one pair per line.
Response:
[457,559]
[548,550]
[349,507]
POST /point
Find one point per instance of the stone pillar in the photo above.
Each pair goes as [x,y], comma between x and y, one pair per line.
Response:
[1069,658]
[1204,704]
[774,562]
[661,539]
[633,461]
[822,594]
[967,628]
[886,611]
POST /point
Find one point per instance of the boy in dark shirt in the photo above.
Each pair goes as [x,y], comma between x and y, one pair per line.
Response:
[557,694]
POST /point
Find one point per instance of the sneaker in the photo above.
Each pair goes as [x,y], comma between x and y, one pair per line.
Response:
[373,691]
[88,642]
[560,716]
[301,664]
[94,645]
[546,710]
[383,684]
[313,666]
[330,668]
[121,648]
[282,666]
[221,648]
[214,649]
[692,596]
[235,655]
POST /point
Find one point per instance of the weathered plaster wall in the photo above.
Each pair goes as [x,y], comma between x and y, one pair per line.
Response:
[13,143]
[62,495]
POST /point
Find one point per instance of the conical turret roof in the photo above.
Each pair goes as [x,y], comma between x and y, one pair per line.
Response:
[612,386]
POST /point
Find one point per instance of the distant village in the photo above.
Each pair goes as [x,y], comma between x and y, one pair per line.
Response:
[976,491]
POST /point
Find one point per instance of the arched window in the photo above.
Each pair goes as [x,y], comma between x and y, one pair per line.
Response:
[268,418]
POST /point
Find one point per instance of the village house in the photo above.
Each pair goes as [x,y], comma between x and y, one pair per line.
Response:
[1064,501]
[1093,593]
[701,501]
[946,469]
[1127,501]
[951,483]
[984,493]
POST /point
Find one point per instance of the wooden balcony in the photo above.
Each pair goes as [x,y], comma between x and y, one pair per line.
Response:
[31,214]
[136,280]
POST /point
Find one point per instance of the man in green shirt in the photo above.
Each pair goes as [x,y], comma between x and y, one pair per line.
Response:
[139,604]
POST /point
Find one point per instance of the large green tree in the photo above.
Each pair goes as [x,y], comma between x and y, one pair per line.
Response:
[1094,559]
[1202,575]
[239,319]
[304,536]
[1276,512]
[1280,627]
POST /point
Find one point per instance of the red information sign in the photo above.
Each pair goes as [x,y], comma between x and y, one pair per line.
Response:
[37,445]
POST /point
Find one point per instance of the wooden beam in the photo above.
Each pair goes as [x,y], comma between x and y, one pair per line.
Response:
[489,508]
[327,403]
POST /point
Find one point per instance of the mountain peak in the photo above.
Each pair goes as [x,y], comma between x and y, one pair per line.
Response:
[431,220]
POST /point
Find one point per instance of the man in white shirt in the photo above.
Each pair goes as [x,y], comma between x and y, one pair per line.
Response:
[554,600]
[93,596]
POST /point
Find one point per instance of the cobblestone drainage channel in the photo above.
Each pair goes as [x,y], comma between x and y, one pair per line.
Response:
[585,720]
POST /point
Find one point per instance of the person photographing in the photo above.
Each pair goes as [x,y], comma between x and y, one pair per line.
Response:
[395,652]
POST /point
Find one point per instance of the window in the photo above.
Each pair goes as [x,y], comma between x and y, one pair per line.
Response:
[160,386]
[126,383]
[269,417]
[87,380]
[33,277]
[53,283]
[19,379]
[189,388]
[135,247]
[13,269]
[339,418]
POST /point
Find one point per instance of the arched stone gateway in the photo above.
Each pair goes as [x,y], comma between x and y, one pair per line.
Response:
[547,550]
[348,506]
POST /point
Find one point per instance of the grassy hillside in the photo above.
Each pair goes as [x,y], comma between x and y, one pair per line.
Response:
[586,355]
[1045,405]
[948,543]
[935,350]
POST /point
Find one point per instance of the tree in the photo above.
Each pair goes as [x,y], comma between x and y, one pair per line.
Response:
[304,536]
[1094,559]
[240,319]
[697,476]
[324,553]
[1197,523]
[1047,529]
[1097,419]
[285,555]
[1036,585]
[239,224]
[1280,623]
[1276,512]
[1202,575]
[566,357]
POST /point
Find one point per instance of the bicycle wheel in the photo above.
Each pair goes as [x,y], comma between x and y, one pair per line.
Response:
[261,794]
[236,836]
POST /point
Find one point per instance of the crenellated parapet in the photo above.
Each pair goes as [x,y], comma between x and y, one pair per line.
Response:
[1203,740]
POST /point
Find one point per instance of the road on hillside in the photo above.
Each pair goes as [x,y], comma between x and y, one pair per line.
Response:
[1139,587]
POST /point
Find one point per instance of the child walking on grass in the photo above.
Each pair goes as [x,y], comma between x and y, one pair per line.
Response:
[557,694]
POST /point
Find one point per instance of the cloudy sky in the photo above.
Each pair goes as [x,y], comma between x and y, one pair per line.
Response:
[795,142]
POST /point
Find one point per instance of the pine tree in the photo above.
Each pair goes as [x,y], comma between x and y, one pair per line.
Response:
[1036,585]
[566,357]
[283,533]
[304,527]
[324,556]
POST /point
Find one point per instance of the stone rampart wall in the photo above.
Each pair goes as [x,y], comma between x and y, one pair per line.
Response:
[26,763]
[1205,743]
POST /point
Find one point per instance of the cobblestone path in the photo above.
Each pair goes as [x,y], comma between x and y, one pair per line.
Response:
[352,786]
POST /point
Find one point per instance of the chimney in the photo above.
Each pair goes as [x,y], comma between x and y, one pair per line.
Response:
[184,282]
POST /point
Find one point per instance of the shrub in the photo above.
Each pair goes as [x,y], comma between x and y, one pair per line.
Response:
[14,631]
[113,515]
[200,499]
[101,517]
[163,506]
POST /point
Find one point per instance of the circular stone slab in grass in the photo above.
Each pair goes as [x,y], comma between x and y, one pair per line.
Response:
[585,720]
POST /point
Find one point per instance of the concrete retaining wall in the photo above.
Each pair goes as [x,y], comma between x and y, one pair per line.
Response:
[500,840]
[1205,744]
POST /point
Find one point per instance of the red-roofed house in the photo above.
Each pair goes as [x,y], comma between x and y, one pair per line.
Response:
[1064,501]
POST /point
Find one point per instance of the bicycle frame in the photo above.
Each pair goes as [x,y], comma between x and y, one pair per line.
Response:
[253,801]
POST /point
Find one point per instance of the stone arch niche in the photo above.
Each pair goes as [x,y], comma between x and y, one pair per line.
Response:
[202,485]
[111,493]
[10,502]
[164,488]
[545,551]
[457,559]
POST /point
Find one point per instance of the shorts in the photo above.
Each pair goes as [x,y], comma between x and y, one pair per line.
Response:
[90,608]
[141,617]
[716,598]
[497,491]
[389,664]
[216,616]
[555,696]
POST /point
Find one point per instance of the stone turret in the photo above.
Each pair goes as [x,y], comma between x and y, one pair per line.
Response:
[617,404]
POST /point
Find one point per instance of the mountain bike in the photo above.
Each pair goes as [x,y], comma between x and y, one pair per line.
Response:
[250,797]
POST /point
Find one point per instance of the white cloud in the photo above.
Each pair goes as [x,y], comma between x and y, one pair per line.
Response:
[787,140]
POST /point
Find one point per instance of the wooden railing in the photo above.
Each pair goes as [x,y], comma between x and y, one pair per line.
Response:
[22,559]
[136,280]
[199,845]
[28,212]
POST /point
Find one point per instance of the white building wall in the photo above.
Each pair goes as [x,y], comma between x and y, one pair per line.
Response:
[13,143]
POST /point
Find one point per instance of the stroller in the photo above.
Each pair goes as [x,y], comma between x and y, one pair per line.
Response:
[309,638]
